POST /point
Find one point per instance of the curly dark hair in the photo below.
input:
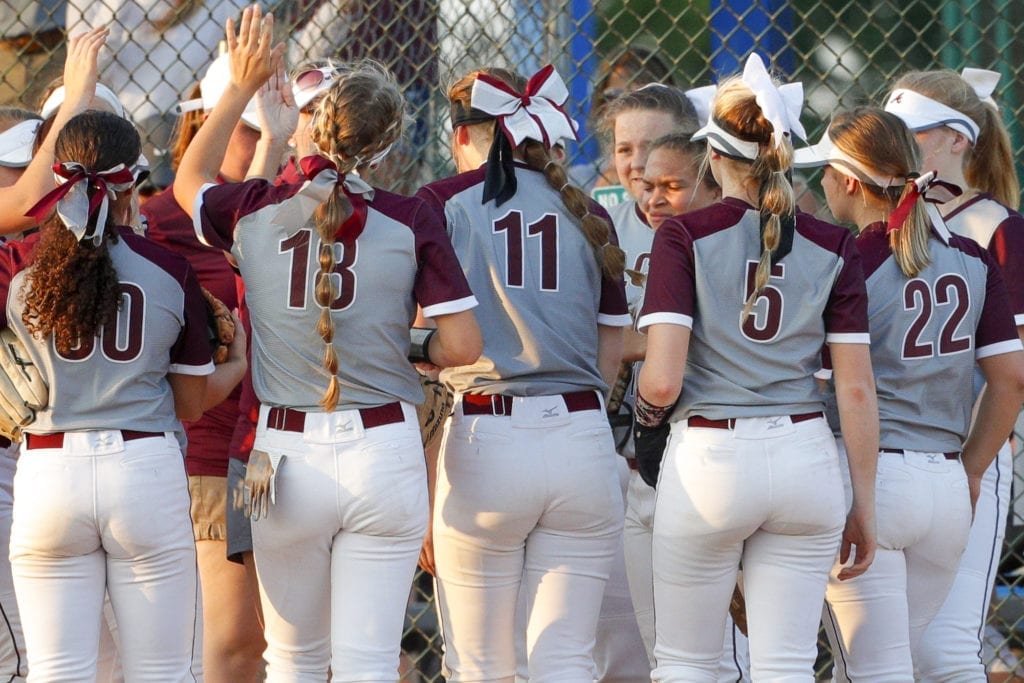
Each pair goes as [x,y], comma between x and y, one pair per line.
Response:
[71,289]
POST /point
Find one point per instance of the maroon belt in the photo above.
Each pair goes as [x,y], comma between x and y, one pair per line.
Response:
[57,440]
[730,423]
[499,404]
[952,455]
[289,420]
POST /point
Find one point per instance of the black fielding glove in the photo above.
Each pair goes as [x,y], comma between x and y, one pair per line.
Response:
[649,445]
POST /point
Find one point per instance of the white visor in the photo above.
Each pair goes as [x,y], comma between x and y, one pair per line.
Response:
[16,144]
[825,153]
[923,113]
[56,98]
[725,142]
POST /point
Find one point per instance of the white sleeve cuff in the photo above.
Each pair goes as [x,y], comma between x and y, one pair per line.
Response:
[623,320]
[848,338]
[1008,346]
[666,318]
[449,307]
[197,214]
[195,370]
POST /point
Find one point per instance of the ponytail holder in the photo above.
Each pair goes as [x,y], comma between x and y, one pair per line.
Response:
[983,82]
[82,198]
[925,186]
[535,114]
[355,188]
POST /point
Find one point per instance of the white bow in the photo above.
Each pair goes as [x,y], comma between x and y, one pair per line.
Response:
[73,207]
[536,114]
[983,82]
[701,99]
[780,106]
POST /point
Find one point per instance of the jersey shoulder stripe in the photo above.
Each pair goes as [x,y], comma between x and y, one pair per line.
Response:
[439,192]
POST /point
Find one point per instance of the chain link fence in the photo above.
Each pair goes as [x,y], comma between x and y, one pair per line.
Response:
[845,53]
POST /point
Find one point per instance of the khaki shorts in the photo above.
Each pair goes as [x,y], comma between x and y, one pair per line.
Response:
[209,505]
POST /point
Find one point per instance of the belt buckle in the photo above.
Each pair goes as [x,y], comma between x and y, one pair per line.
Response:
[497,404]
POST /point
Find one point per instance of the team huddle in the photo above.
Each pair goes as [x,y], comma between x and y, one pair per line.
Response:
[680,434]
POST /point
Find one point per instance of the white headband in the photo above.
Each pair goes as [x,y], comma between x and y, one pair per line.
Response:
[924,113]
[56,98]
[825,153]
[16,143]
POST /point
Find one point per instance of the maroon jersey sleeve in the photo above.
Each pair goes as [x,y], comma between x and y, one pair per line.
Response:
[996,324]
[847,311]
[220,207]
[1007,246]
[613,290]
[193,345]
[441,287]
[669,295]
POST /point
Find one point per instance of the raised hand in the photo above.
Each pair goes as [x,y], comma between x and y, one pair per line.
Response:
[80,69]
[275,106]
[252,57]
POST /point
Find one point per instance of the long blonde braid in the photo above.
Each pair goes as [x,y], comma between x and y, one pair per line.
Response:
[361,115]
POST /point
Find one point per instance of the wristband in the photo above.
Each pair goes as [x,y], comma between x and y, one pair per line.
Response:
[649,415]
[419,349]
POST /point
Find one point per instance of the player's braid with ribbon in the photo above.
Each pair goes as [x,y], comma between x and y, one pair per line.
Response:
[353,127]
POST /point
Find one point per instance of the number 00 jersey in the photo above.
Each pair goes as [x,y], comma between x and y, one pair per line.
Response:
[118,379]
[926,333]
[762,364]
[401,258]
[541,289]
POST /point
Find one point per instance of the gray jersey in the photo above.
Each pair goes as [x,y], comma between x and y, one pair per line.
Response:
[402,258]
[635,238]
[927,332]
[542,293]
[118,380]
[701,274]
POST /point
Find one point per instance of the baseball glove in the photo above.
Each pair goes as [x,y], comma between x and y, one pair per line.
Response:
[435,409]
[23,390]
[221,326]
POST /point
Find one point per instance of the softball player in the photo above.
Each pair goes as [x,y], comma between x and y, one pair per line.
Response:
[16,141]
[334,270]
[632,121]
[936,305]
[232,635]
[961,135]
[527,494]
[750,471]
[101,499]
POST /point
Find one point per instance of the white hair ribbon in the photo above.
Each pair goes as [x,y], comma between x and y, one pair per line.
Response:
[701,99]
[983,82]
[780,106]
[924,113]
[82,194]
[534,114]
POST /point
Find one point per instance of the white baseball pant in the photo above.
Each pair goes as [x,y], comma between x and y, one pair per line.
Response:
[768,493]
[638,536]
[876,620]
[530,501]
[102,514]
[950,650]
[337,552]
